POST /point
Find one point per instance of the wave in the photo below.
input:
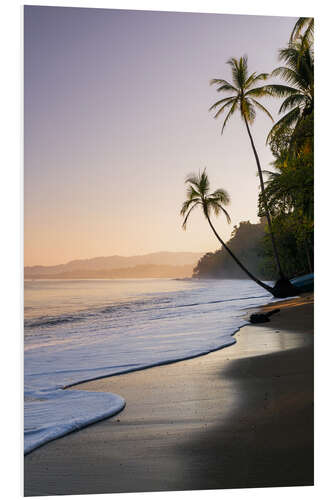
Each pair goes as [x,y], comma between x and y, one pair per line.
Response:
[51,320]
[37,434]
[46,321]
[204,320]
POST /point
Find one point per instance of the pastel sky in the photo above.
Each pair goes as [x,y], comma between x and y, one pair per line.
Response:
[116,115]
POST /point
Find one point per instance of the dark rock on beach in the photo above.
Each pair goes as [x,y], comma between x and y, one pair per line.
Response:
[262,317]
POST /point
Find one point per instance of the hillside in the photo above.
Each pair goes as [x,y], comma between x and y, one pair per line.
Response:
[157,265]
[246,242]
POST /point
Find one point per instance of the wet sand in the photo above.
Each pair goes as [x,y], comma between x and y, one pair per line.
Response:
[238,417]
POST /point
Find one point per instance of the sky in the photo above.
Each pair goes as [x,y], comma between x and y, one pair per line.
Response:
[116,116]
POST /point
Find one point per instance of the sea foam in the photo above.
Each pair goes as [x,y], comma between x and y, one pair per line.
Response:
[83,330]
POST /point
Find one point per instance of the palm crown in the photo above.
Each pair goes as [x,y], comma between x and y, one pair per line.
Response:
[299,74]
[198,195]
[244,92]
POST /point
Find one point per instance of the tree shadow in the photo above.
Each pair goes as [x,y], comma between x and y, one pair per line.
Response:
[267,440]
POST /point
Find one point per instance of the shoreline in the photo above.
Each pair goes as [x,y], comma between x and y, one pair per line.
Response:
[71,419]
[233,418]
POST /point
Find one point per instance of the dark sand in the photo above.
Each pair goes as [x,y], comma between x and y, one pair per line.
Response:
[238,417]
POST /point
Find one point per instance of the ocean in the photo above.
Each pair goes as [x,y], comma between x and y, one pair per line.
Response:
[79,330]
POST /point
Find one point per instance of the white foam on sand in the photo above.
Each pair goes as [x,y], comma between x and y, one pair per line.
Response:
[142,331]
[57,413]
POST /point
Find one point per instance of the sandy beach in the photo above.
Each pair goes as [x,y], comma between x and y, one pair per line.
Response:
[239,417]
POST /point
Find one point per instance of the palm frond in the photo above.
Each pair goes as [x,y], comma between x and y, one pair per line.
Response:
[216,206]
[299,25]
[292,101]
[298,28]
[225,88]
[185,207]
[221,195]
[262,108]
[308,35]
[225,213]
[286,121]
[249,79]
[187,204]
[221,82]
[188,214]
[242,71]
[276,90]
[254,78]
[298,57]
[194,180]
[271,176]
[191,192]
[258,92]
[230,113]
[239,71]
[204,183]
[234,70]
[224,107]
[290,76]
[290,55]
[221,101]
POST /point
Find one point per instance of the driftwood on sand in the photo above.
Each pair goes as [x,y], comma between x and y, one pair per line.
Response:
[262,317]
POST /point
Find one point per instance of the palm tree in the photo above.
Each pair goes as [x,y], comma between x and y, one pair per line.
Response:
[198,196]
[243,99]
[299,94]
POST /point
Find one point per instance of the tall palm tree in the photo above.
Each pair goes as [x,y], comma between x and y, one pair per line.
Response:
[198,196]
[298,72]
[243,99]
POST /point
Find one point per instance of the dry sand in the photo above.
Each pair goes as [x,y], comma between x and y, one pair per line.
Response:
[238,417]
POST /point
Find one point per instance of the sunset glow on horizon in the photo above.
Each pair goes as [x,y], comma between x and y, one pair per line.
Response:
[116,116]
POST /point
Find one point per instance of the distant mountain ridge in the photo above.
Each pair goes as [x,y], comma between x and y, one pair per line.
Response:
[177,264]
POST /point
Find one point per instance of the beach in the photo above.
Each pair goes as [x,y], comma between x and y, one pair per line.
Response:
[239,417]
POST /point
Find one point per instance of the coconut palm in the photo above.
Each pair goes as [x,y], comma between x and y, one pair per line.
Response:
[243,99]
[298,73]
[198,195]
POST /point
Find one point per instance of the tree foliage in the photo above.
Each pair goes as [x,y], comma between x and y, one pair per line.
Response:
[243,92]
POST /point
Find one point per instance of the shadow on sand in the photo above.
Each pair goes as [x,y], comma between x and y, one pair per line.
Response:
[268,440]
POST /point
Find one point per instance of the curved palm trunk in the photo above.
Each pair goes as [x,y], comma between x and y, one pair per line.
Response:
[276,255]
[250,275]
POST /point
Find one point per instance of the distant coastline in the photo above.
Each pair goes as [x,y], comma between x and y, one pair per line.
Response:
[154,265]
[153,271]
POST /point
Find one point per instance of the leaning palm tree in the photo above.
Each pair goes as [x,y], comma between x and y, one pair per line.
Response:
[298,92]
[198,196]
[243,99]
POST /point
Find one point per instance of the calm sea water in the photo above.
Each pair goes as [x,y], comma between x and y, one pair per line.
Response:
[78,330]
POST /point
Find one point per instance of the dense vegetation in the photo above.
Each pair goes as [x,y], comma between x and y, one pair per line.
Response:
[288,194]
[244,242]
